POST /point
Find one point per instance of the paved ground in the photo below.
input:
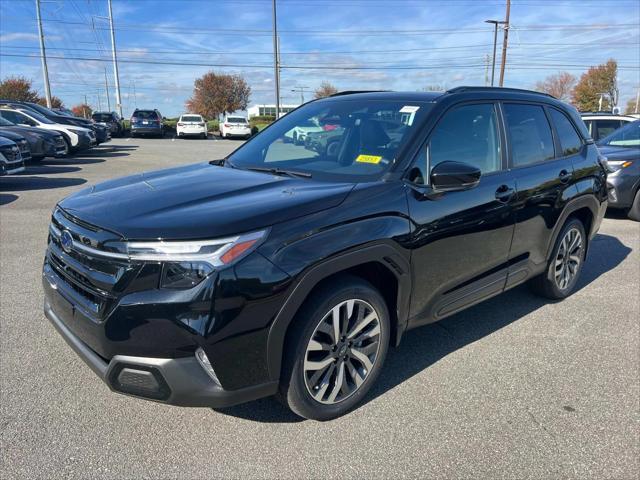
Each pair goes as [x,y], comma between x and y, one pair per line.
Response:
[512,388]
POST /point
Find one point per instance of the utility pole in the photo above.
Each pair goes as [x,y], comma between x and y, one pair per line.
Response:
[495,42]
[43,57]
[115,62]
[106,88]
[504,43]
[486,70]
[84,107]
[301,90]
[276,58]
[637,100]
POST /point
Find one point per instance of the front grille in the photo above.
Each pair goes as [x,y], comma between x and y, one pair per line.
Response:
[98,281]
[12,154]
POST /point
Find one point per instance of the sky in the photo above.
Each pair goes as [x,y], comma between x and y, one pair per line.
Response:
[164,45]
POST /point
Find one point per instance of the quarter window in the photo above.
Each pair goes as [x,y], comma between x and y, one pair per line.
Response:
[467,134]
[569,139]
[529,134]
[602,128]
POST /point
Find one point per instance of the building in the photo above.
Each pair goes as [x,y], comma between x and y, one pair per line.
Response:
[266,109]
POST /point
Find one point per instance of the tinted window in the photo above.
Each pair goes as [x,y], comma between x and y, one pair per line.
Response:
[569,138]
[191,118]
[627,136]
[467,134]
[146,114]
[529,134]
[604,127]
[102,117]
[236,120]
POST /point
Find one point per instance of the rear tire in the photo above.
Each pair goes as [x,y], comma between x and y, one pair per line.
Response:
[565,265]
[339,367]
[634,211]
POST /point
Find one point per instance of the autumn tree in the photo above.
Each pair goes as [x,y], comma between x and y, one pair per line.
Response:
[19,89]
[325,89]
[560,85]
[55,102]
[632,106]
[215,94]
[597,81]
[82,110]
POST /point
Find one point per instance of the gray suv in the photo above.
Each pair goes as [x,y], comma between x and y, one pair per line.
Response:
[622,149]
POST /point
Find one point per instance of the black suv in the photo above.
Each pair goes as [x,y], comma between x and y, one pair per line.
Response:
[282,270]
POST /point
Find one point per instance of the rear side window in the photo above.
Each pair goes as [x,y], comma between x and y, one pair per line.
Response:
[602,128]
[569,139]
[529,133]
[146,115]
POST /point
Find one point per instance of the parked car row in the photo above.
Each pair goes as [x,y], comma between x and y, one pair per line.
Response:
[38,132]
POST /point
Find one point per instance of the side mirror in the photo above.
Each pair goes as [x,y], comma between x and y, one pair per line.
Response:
[454,176]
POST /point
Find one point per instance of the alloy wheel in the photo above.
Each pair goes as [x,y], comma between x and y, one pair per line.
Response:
[342,351]
[568,259]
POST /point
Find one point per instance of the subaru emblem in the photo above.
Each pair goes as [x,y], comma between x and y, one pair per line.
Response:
[66,240]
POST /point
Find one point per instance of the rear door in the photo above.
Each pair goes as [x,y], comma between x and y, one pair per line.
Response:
[543,174]
[460,242]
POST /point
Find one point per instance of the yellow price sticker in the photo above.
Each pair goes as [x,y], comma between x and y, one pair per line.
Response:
[368,159]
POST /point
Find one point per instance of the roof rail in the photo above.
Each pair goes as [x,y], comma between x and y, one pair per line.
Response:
[479,89]
[353,92]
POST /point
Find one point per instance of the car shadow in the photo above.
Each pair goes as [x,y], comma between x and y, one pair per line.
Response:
[71,161]
[616,213]
[48,170]
[6,198]
[424,346]
[21,184]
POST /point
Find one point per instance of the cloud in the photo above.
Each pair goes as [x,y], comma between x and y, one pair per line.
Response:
[18,36]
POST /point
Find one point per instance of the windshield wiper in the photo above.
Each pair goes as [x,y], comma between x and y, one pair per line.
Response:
[280,171]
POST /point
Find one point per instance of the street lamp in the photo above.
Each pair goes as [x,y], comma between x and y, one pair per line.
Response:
[495,40]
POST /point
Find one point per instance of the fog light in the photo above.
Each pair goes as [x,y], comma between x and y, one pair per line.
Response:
[206,364]
[142,381]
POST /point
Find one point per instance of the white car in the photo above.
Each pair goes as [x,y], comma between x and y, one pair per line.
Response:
[299,133]
[76,138]
[191,124]
[601,124]
[10,158]
[235,126]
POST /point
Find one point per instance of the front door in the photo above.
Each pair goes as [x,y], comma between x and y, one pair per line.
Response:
[460,241]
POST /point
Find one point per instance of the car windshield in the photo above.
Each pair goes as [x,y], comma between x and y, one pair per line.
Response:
[236,120]
[337,140]
[102,117]
[627,136]
[40,109]
[5,123]
[191,118]
[37,116]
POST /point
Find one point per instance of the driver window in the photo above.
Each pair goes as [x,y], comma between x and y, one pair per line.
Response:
[466,134]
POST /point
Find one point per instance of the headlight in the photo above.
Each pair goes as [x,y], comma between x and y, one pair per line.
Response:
[615,165]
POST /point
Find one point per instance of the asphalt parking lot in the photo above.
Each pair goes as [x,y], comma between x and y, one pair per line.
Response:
[511,388]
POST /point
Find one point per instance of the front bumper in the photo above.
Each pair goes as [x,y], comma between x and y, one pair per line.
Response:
[11,168]
[621,189]
[175,381]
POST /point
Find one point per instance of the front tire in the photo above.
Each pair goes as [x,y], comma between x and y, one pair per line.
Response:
[564,267]
[634,211]
[335,350]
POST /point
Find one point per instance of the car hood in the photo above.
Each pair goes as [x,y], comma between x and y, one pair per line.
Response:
[200,201]
[620,153]
[29,132]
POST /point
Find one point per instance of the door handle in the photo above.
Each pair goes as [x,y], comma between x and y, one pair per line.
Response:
[564,176]
[504,193]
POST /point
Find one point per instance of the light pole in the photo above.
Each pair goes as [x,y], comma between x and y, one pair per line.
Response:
[115,62]
[43,58]
[276,55]
[495,41]
[505,42]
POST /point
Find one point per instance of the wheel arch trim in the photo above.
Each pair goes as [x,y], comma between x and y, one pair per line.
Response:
[586,201]
[385,254]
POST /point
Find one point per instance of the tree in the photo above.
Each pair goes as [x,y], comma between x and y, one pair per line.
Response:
[19,89]
[632,107]
[325,89]
[55,102]
[596,82]
[215,94]
[560,85]
[82,110]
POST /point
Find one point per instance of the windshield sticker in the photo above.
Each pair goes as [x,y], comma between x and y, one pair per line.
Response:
[375,159]
[409,109]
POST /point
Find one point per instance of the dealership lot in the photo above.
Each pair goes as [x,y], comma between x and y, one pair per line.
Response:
[514,387]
